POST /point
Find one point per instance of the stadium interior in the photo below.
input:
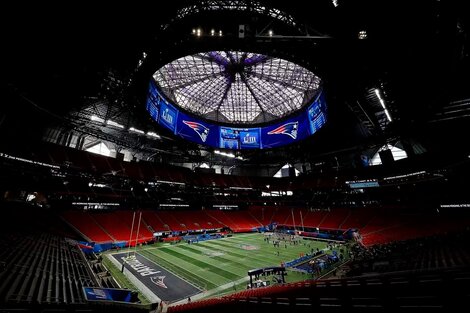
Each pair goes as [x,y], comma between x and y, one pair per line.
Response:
[235,155]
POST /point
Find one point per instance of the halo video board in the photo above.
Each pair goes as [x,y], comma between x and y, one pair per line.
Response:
[293,129]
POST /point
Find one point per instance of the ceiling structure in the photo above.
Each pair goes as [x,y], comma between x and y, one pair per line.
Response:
[410,60]
[237,87]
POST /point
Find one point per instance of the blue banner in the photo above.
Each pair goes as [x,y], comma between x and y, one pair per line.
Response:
[107,294]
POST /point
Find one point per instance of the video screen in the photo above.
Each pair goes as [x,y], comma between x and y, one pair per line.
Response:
[240,138]
[291,130]
[168,116]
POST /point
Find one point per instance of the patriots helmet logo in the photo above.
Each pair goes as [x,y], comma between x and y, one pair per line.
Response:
[200,129]
[158,280]
[289,129]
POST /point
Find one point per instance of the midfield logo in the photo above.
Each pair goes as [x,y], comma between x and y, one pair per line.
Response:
[289,129]
[200,129]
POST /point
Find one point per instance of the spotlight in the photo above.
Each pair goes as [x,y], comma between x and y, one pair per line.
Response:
[362,34]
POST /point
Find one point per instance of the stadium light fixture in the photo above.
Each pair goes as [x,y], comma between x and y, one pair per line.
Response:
[170,182]
[95,118]
[382,103]
[229,155]
[135,130]
[91,184]
[113,123]
[152,134]
[388,115]
[225,206]
[240,188]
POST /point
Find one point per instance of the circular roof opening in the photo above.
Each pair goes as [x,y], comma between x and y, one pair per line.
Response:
[237,87]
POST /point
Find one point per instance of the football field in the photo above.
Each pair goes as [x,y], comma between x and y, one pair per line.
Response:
[209,268]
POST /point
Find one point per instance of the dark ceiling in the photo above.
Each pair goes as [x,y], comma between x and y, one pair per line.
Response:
[56,58]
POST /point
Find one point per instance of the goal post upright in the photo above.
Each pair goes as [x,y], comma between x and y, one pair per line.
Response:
[130,237]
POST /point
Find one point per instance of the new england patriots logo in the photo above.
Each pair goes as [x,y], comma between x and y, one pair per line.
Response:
[158,280]
[289,129]
[200,129]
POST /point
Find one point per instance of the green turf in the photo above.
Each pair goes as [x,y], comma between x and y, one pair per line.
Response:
[221,266]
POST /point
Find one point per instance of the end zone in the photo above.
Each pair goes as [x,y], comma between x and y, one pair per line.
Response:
[162,283]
